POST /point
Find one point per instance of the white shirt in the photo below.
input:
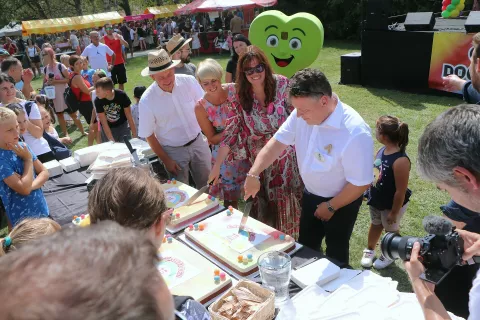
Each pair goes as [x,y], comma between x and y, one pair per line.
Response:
[132,34]
[38,146]
[474,300]
[97,56]
[174,25]
[171,116]
[350,159]
[74,41]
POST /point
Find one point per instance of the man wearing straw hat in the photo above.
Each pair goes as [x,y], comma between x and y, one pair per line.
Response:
[168,122]
[179,49]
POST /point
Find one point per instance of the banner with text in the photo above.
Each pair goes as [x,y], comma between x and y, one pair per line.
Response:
[451,54]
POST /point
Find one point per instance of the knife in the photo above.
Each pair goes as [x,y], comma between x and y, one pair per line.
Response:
[246,213]
[199,193]
[133,152]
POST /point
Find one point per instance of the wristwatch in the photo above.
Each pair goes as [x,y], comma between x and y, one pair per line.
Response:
[330,208]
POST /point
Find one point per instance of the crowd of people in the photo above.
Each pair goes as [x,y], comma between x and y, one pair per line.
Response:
[305,158]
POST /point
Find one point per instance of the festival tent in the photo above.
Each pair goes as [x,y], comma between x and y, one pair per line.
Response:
[164,11]
[221,5]
[11,30]
[72,23]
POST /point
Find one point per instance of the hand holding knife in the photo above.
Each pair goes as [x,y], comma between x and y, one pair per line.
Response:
[199,193]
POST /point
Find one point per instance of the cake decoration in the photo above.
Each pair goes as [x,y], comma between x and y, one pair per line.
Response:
[170,239]
[250,257]
[190,227]
[223,276]
[282,237]
[82,221]
[195,226]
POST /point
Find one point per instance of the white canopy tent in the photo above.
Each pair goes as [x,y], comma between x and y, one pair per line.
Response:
[11,30]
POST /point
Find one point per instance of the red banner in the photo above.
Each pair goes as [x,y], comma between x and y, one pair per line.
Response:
[451,53]
[138,17]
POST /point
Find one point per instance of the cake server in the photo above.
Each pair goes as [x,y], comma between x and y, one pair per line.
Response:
[133,152]
[246,213]
[199,193]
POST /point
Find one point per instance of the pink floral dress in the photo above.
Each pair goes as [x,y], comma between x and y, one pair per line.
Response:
[233,173]
[278,202]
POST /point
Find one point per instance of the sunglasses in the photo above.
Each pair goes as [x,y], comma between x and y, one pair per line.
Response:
[296,92]
[259,68]
[108,28]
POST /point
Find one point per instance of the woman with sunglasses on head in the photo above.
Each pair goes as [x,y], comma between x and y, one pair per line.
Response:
[56,74]
[256,112]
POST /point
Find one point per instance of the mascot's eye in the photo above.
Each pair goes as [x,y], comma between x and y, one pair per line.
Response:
[295,44]
[272,41]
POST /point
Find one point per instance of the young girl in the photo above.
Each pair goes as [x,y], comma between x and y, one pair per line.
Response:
[135,199]
[22,175]
[195,43]
[48,128]
[26,231]
[388,197]
[137,95]
[94,122]
[230,42]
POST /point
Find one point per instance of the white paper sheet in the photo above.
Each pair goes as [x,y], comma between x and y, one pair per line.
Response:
[345,276]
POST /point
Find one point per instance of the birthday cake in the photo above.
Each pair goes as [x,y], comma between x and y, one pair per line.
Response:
[187,273]
[218,237]
[177,194]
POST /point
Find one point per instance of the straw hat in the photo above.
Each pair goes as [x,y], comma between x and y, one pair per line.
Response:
[158,61]
[176,43]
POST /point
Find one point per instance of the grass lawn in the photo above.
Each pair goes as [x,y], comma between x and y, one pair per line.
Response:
[416,110]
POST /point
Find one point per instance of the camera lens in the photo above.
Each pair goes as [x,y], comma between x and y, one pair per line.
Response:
[394,246]
[51,75]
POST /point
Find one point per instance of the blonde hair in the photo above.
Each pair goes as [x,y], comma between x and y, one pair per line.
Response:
[209,69]
[64,59]
[26,231]
[6,114]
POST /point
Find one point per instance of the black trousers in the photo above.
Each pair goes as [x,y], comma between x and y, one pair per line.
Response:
[336,231]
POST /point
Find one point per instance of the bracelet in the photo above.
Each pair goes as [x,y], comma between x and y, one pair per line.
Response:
[253,176]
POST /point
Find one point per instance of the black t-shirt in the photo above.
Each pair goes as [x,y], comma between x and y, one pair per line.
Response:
[141,32]
[232,67]
[114,109]
[125,33]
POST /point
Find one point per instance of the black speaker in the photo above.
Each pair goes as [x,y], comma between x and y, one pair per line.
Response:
[419,21]
[351,65]
[377,13]
[473,22]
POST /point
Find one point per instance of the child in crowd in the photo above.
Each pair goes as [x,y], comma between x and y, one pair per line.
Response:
[47,121]
[22,174]
[196,43]
[26,231]
[137,94]
[21,118]
[87,73]
[135,199]
[230,41]
[388,197]
[97,129]
[113,109]
[64,59]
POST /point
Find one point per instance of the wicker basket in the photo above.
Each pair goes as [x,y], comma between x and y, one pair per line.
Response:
[265,312]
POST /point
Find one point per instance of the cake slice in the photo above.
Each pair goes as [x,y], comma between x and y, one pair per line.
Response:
[218,237]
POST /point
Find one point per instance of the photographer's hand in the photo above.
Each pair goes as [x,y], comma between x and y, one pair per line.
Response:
[471,244]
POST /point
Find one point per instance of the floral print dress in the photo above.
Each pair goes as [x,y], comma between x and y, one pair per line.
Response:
[233,173]
[278,202]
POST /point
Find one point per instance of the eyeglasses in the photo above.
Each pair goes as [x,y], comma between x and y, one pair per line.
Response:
[259,68]
[296,92]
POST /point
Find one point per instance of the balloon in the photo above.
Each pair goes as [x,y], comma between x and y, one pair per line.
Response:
[460,7]
[462,1]
[455,2]
[444,8]
[446,14]
[451,7]
[454,13]
[446,2]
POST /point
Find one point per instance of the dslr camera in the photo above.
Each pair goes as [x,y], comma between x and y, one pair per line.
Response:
[440,252]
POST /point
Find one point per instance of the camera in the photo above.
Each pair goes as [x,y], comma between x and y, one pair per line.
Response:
[438,253]
[51,75]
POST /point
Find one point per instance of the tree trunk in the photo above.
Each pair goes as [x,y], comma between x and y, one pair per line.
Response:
[125,5]
[78,7]
[159,2]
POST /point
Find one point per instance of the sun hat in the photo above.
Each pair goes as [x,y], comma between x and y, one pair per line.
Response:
[176,43]
[4,52]
[158,61]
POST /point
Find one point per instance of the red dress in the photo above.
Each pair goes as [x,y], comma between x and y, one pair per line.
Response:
[278,202]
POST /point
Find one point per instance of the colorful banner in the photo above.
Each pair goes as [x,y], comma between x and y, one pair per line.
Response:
[451,53]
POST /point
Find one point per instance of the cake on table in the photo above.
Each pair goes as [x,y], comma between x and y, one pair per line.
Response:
[218,237]
[176,194]
[187,273]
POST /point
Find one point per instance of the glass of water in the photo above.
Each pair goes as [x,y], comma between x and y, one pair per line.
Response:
[275,270]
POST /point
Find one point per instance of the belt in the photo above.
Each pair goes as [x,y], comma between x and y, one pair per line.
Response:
[191,141]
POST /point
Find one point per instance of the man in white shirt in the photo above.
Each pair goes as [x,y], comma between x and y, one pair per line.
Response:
[96,53]
[74,42]
[168,122]
[449,156]
[334,149]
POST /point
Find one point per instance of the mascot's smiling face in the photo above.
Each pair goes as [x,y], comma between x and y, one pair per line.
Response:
[291,43]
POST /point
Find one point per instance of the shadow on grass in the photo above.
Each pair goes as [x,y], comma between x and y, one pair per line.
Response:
[398,274]
[342,45]
[405,100]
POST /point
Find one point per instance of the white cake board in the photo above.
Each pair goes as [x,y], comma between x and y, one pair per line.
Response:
[201,218]
[221,265]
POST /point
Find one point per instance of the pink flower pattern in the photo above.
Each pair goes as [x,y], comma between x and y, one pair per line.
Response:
[278,203]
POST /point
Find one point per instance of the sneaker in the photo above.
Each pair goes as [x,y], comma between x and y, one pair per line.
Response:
[382,263]
[367,259]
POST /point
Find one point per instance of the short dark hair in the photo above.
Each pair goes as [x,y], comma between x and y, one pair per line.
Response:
[451,140]
[309,83]
[104,271]
[138,91]
[6,78]
[105,84]
[8,63]
[129,196]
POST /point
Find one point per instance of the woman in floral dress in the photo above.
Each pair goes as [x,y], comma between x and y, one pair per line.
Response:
[257,111]
[211,112]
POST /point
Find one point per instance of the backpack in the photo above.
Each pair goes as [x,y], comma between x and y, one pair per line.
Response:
[59,69]
[59,150]
[71,100]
